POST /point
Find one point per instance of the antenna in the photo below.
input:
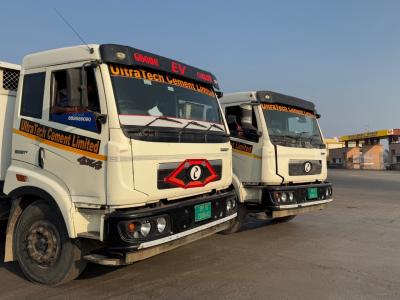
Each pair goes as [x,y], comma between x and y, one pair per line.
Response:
[73,29]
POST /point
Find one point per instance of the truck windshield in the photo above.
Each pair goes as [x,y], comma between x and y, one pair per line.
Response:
[142,95]
[292,127]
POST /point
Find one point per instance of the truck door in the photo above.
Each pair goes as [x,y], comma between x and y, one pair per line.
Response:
[246,142]
[74,147]
[25,146]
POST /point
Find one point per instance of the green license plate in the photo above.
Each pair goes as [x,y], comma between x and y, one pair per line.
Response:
[312,193]
[202,211]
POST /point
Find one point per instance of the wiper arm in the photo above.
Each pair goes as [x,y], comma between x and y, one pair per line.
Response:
[215,126]
[165,118]
[191,123]
[317,138]
[284,136]
[300,135]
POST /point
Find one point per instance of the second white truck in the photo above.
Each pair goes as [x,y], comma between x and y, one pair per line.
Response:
[279,157]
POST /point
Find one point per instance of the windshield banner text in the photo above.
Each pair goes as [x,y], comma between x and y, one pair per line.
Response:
[284,108]
[155,76]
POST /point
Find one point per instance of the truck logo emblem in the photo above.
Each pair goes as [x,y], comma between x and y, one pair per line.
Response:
[95,164]
[195,172]
[307,167]
[192,173]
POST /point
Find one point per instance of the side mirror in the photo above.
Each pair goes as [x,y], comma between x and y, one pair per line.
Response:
[252,134]
[101,118]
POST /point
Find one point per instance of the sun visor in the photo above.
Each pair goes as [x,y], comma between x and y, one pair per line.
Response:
[272,97]
[73,87]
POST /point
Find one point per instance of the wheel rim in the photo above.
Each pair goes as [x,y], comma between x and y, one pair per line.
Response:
[42,243]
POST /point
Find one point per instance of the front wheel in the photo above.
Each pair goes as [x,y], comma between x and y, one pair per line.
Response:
[43,249]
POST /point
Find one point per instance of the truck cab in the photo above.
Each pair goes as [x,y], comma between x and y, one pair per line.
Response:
[117,154]
[279,157]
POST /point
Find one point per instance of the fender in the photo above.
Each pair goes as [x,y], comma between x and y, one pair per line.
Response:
[238,187]
[44,185]
[16,210]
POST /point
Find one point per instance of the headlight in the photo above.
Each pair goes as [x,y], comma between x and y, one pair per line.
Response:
[228,205]
[161,224]
[291,196]
[145,228]
[284,197]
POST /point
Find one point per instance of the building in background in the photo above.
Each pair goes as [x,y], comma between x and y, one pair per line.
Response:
[335,152]
[365,151]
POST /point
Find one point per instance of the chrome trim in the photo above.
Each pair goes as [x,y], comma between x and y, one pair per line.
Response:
[304,204]
[212,156]
[102,228]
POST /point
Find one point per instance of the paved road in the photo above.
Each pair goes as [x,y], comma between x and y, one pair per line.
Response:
[349,251]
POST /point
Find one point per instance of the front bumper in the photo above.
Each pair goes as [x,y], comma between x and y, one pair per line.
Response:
[180,218]
[301,196]
[131,257]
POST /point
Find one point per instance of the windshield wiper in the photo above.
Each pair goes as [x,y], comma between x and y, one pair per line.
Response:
[164,118]
[191,123]
[290,139]
[284,136]
[317,138]
[301,135]
[214,126]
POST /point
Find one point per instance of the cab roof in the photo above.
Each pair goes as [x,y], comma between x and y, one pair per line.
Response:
[266,97]
[117,54]
[7,65]
[61,56]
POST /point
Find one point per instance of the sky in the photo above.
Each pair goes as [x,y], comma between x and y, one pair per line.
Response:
[342,55]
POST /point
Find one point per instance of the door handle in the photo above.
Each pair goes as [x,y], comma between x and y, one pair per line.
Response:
[41,157]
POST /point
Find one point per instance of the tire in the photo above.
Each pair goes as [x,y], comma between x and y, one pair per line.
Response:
[42,247]
[237,223]
[284,219]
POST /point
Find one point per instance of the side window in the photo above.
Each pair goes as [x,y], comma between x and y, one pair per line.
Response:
[242,122]
[32,95]
[75,99]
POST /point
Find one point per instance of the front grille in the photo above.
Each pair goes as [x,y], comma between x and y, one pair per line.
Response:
[298,167]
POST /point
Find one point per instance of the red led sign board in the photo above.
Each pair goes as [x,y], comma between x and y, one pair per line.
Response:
[124,55]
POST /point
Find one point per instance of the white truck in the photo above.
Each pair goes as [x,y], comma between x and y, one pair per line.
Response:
[9,76]
[117,154]
[279,157]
